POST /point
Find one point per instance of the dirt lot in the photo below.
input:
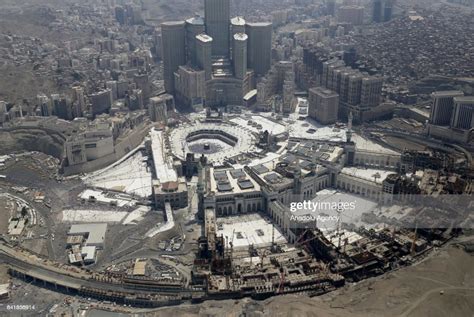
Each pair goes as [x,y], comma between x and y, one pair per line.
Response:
[4,215]
[4,277]
[412,291]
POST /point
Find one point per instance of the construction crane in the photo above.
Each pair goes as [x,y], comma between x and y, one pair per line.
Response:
[298,241]
[231,245]
[339,211]
[413,244]
[251,249]
[304,243]
[261,258]
[346,241]
[282,281]
[273,248]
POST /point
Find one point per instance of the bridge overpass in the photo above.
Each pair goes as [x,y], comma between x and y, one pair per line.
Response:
[73,280]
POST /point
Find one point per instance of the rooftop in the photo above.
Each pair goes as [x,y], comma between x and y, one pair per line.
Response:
[367,174]
[324,92]
[244,230]
[197,20]
[327,199]
[130,175]
[173,23]
[258,24]
[465,99]
[163,163]
[447,93]
[232,181]
[95,231]
[204,38]
[257,123]
[240,37]
[368,145]
[238,21]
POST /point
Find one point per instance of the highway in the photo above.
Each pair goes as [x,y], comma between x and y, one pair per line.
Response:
[70,279]
[427,141]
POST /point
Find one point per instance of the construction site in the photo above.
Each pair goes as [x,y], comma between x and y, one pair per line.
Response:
[312,266]
[178,220]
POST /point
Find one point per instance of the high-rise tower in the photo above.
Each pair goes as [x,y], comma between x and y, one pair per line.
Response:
[463,115]
[174,51]
[382,10]
[194,27]
[259,49]
[323,105]
[378,11]
[388,10]
[203,53]
[237,25]
[217,20]
[239,52]
[443,106]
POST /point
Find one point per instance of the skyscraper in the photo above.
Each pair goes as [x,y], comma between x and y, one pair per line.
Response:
[382,10]
[371,91]
[194,27]
[204,53]
[43,104]
[239,53]
[158,107]
[3,111]
[61,107]
[174,51]
[387,12]
[378,11]
[350,57]
[331,7]
[190,86]
[463,116]
[237,25]
[101,101]
[323,105]
[259,50]
[79,101]
[210,63]
[442,107]
[351,14]
[120,15]
[217,20]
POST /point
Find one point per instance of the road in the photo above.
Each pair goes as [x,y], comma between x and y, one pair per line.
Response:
[427,141]
[40,210]
[67,279]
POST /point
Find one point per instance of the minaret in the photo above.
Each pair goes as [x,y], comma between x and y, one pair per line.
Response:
[297,178]
[314,161]
[349,128]
[201,189]
[349,147]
